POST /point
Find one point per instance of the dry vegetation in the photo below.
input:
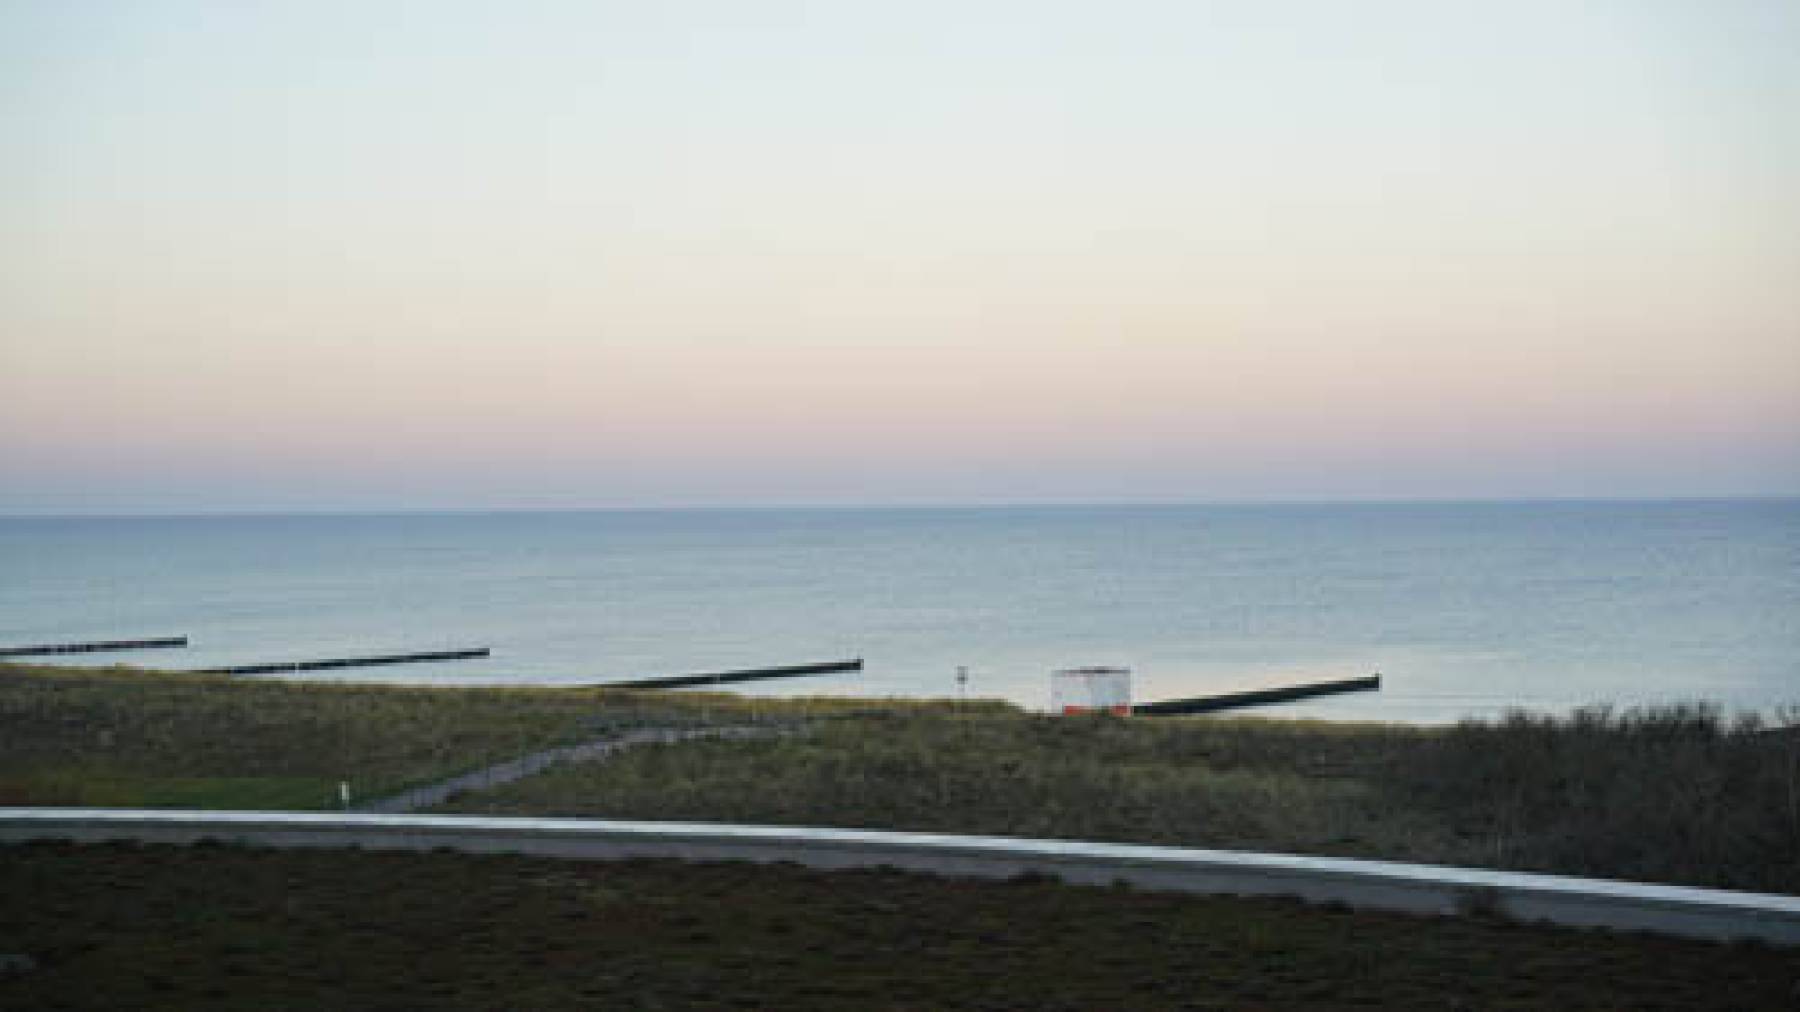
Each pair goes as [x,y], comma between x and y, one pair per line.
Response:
[226,927]
[1672,795]
[123,736]
[1669,795]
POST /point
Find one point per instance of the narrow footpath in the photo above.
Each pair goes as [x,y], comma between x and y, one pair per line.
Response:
[515,769]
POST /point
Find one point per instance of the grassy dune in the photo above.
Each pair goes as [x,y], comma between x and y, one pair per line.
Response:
[226,927]
[123,736]
[1672,795]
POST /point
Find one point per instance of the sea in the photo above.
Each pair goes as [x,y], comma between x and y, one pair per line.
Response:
[1465,609]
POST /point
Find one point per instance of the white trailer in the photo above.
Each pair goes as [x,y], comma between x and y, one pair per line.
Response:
[1091,690]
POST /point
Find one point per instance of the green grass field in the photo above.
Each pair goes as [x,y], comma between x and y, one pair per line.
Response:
[226,927]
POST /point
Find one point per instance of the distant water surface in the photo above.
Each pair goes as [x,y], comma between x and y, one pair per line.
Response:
[1466,608]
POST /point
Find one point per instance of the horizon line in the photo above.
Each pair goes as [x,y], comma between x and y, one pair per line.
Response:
[945,505]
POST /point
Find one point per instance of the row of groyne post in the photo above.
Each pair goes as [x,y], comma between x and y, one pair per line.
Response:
[93,646]
[259,668]
[1168,707]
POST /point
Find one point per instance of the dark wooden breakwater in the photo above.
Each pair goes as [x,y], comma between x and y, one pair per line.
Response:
[345,662]
[725,677]
[93,648]
[1256,697]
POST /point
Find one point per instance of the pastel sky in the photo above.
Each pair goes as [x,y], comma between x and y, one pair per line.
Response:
[376,254]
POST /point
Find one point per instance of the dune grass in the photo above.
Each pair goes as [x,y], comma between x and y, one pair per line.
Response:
[1669,795]
[1677,794]
[228,927]
[1006,773]
[124,736]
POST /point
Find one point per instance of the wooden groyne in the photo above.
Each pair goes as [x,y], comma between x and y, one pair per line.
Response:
[726,677]
[1256,697]
[95,647]
[346,662]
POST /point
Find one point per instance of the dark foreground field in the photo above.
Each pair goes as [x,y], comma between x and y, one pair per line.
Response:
[212,926]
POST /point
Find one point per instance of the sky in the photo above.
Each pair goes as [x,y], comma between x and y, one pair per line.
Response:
[372,255]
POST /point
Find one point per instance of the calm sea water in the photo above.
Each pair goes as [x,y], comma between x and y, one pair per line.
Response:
[1464,608]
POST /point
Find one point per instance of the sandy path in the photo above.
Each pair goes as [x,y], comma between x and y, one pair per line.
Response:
[514,769]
